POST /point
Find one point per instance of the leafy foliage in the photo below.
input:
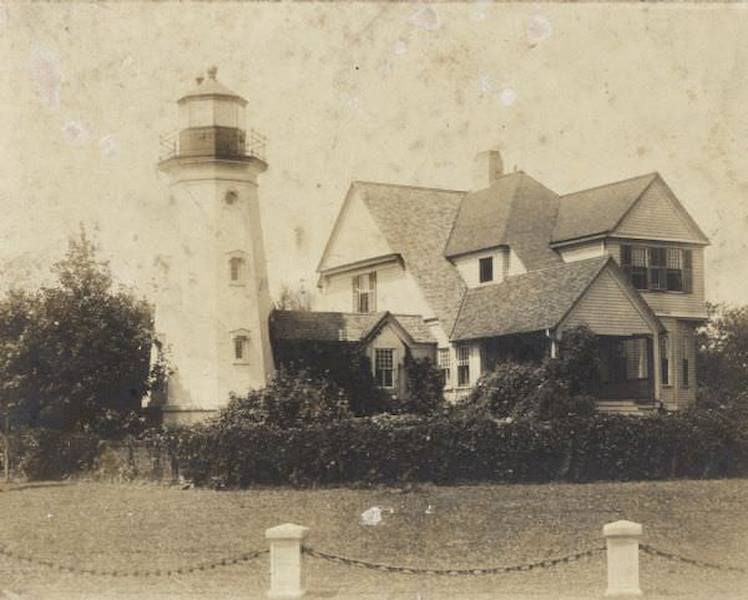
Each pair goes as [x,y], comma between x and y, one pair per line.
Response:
[455,448]
[722,354]
[46,454]
[344,364]
[424,388]
[291,399]
[75,356]
[555,388]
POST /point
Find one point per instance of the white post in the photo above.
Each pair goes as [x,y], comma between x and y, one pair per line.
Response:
[286,563]
[622,541]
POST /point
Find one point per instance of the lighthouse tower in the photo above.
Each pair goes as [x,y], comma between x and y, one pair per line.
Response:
[212,303]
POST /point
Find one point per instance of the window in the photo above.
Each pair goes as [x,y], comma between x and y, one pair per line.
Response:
[384,367]
[665,359]
[364,293]
[230,197]
[444,366]
[463,366]
[624,359]
[635,353]
[658,268]
[240,347]
[236,269]
[685,359]
[485,269]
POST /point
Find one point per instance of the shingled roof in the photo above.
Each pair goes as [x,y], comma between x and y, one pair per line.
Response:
[598,210]
[534,301]
[517,211]
[416,223]
[292,325]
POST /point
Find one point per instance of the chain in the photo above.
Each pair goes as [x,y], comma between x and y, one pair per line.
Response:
[246,557]
[689,561]
[541,564]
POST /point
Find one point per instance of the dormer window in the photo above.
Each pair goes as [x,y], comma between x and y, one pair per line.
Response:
[365,293]
[485,269]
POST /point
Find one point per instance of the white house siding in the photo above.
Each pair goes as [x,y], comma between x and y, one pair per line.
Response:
[468,266]
[672,303]
[608,310]
[355,236]
[676,395]
[396,291]
[582,251]
[655,216]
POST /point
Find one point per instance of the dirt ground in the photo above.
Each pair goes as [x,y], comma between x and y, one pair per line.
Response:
[130,527]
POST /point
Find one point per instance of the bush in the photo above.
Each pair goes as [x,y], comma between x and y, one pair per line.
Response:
[424,387]
[44,454]
[498,392]
[458,448]
[292,398]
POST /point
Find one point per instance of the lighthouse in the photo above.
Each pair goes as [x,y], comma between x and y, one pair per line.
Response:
[212,300]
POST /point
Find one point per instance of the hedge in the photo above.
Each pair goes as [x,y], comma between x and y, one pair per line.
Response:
[450,449]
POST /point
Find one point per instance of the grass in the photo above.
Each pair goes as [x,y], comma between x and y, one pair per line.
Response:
[108,526]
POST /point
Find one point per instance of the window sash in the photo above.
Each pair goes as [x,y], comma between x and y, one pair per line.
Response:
[443,360]
[364,292]
[463,366]
[240,347]
[384,367]
[658,268]
[235,268]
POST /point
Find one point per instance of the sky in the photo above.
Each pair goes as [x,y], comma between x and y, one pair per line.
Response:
[575,95]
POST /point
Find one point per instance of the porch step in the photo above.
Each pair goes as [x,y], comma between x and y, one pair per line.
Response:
[625,407]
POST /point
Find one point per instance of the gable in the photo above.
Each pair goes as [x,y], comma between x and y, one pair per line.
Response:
[355,235]
[608,307]
[658,215]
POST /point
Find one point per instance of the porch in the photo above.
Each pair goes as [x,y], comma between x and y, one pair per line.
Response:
[625,380]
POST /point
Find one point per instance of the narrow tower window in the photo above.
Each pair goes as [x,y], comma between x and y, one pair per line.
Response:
[240,347]
[236,269]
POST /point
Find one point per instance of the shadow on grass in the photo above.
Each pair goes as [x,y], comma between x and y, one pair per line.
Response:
[10,487]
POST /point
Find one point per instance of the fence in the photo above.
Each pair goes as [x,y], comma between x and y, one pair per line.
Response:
[287,554]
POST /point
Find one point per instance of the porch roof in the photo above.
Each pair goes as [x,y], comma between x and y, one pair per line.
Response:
[291,325]
[533,301]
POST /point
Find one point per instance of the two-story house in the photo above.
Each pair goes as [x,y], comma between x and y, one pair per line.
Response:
[471,278]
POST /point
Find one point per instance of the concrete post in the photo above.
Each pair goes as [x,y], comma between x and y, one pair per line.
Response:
[622,541]
[286,562]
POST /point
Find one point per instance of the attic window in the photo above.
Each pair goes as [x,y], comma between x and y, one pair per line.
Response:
[365,293]
[485,269]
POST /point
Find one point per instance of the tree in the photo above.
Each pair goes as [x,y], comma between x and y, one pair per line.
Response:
[294,299]
[722,354]
[76,355]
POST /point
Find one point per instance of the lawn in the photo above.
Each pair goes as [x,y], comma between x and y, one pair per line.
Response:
[128,527]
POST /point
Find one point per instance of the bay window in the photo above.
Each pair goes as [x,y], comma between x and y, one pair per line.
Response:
[444,365]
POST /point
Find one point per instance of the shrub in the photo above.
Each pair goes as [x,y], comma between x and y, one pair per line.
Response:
[292,398]
[53,454]
[462,448]
[424,387]
[344,364]
[498,392]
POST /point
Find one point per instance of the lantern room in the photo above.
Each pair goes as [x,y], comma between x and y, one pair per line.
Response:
[212,120]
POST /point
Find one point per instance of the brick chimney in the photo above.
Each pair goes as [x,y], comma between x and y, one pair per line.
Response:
[487,168]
